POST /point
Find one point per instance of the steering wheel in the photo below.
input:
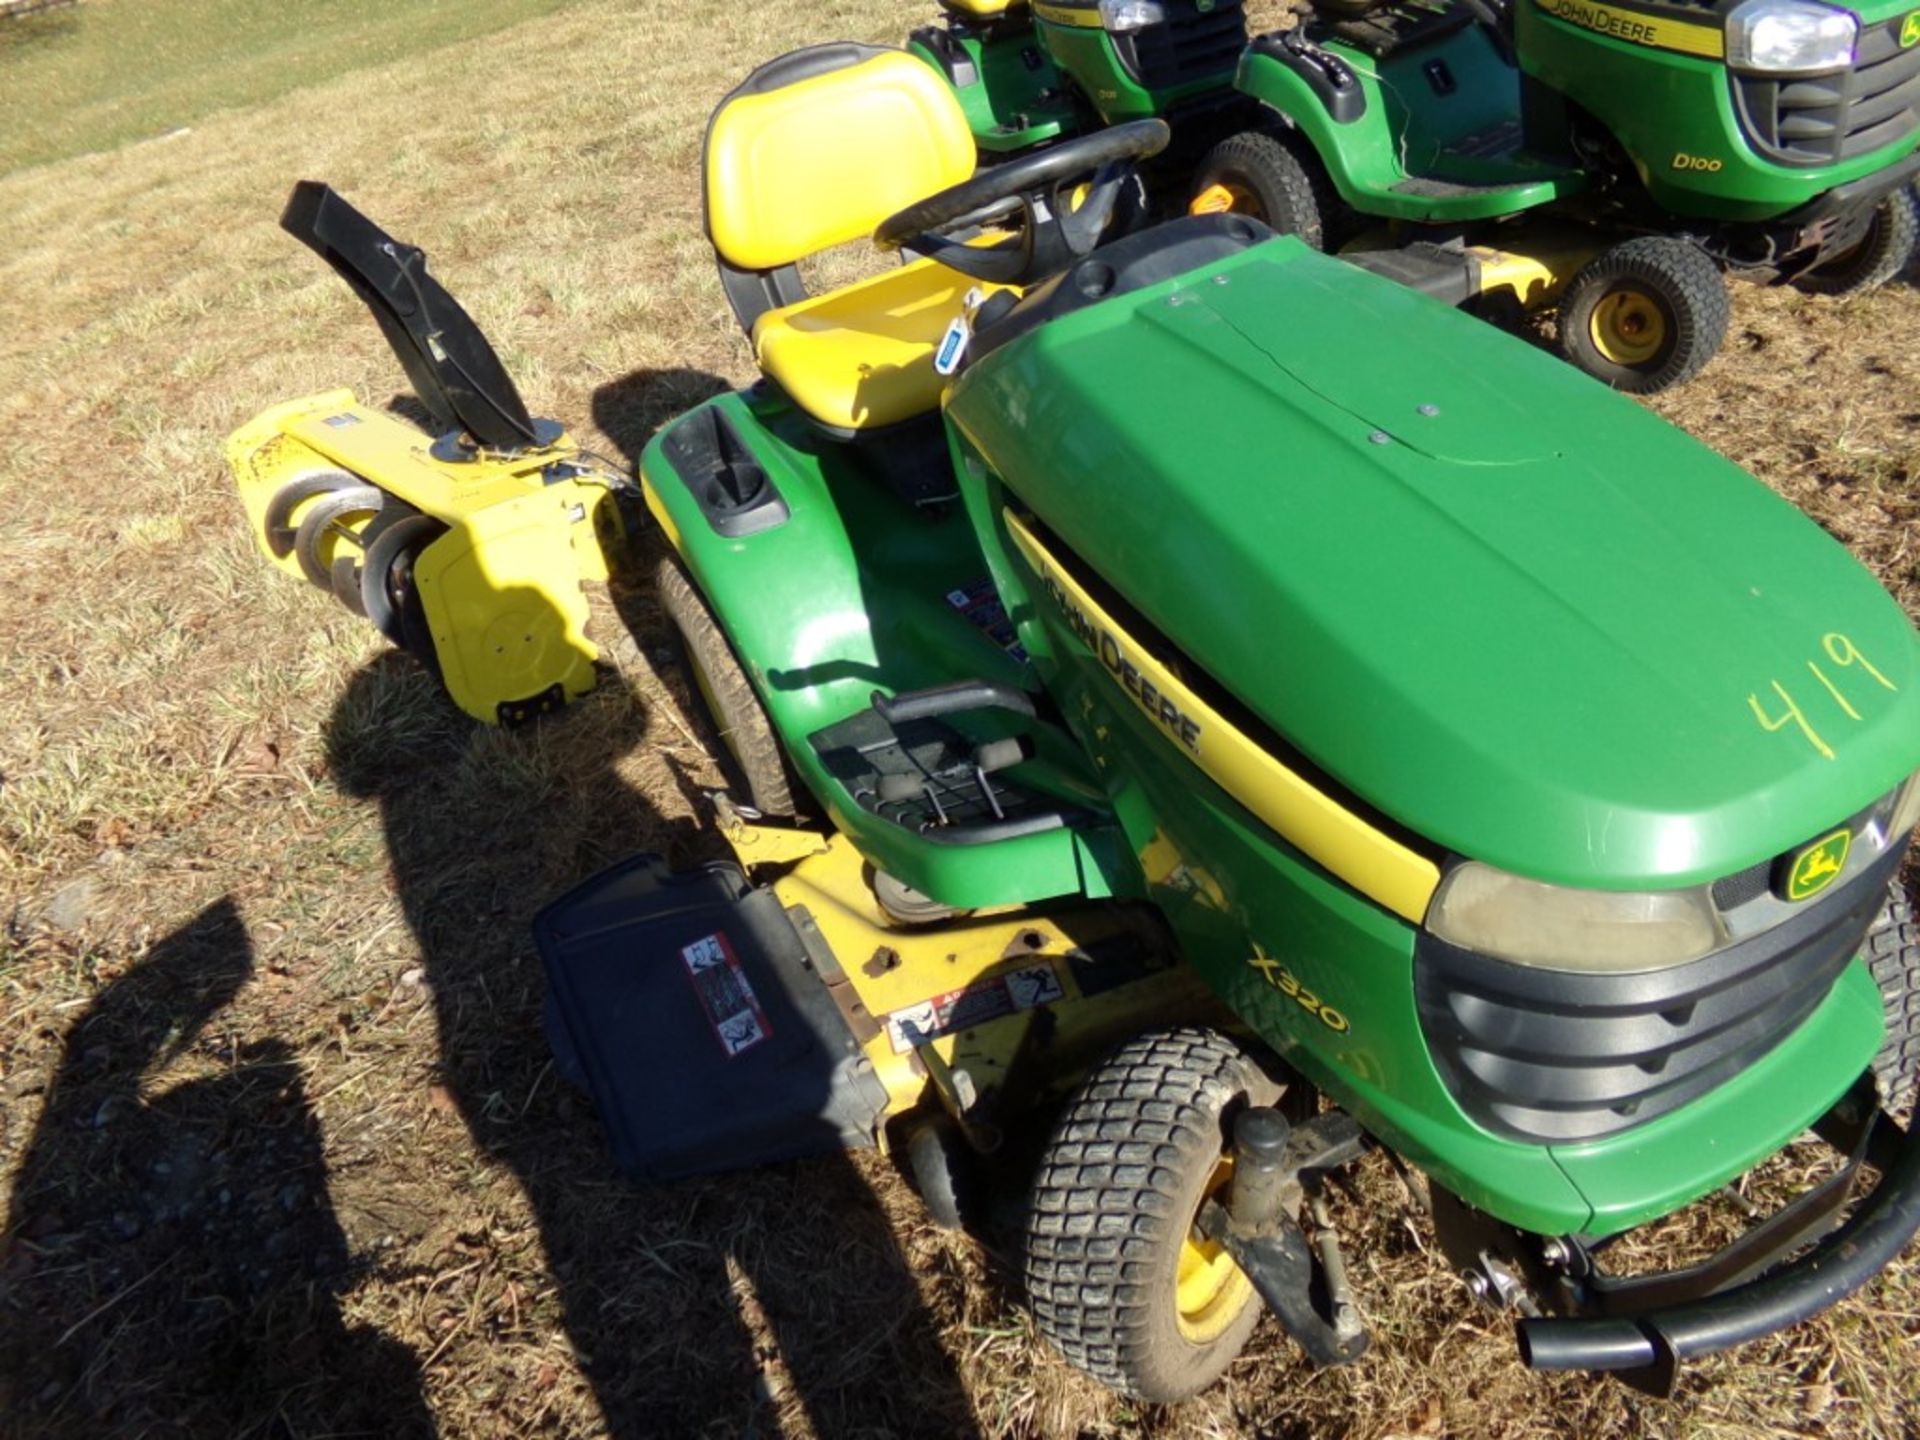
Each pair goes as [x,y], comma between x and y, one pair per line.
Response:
[1056,231]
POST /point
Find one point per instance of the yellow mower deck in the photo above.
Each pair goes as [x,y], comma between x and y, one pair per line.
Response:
[951,1015]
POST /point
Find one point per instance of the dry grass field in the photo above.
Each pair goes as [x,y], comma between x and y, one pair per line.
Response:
[281,1152]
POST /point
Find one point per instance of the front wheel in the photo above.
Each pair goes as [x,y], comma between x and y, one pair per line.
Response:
[1645,314]
[1882,252]
[1120,1280]
[1892,953]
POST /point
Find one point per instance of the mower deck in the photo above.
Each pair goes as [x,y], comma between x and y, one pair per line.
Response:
[722,1025]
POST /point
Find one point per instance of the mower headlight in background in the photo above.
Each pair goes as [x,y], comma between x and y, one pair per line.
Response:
[1790,37]
[1557,927]
[1122,16]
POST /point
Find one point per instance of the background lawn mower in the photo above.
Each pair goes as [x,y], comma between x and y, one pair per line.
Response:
[1606,160]
[1027,75]
[1423,750]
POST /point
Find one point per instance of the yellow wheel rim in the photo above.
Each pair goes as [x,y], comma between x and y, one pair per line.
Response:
[1210,1291]
[1222,199]
[1629,327]
[327,547]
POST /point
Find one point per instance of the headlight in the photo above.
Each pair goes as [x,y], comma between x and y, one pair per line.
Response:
[1124,15]
[1790,37]
[1556,927]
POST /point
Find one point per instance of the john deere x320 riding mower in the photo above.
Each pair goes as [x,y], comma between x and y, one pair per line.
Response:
[1203,713]
[1608,159]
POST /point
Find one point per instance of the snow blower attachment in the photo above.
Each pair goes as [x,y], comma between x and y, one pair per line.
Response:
[467,550]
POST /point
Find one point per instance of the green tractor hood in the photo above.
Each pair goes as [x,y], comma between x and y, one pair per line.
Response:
[1512,611]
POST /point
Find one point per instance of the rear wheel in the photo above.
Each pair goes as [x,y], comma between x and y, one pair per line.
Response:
[727,696]
[1645,314]
[1882,252]
[1119,1278]
[1893,955]
[1260,174]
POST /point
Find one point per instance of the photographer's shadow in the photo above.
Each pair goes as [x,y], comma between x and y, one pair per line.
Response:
[714,1305]
[172,1252]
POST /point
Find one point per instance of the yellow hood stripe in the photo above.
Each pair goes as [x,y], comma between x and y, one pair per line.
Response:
[1638,27]
[1080,17]
[1369,860]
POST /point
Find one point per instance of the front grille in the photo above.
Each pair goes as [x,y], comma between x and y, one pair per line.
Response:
[1188,46]
[1730,892]
[1554,1057]
[1830,118]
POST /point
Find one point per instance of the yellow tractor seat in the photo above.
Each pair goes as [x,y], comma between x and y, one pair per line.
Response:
[814,150]
[983,9]
[863,355]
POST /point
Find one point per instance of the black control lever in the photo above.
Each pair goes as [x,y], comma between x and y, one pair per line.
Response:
[961,695]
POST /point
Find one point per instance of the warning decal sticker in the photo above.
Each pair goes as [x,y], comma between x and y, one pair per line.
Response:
[980,603]
[731,1006]
[1005,994]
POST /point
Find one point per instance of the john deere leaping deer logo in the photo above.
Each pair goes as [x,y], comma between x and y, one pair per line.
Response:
[1910,31]
[1819,865]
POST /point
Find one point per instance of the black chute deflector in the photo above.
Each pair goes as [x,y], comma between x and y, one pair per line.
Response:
[448,361]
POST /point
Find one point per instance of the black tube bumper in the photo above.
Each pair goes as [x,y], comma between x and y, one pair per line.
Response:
[1867,190]
[1657,1340]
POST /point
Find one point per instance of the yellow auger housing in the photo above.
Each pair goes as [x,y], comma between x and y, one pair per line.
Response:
[474,565]
[467,550]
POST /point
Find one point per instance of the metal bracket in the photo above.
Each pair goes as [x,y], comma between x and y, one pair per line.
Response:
[1313,1302]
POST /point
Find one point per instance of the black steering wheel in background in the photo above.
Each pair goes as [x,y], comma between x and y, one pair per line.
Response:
[1055,233]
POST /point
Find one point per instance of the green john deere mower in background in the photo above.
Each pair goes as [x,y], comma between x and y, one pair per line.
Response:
[1606,160]
[1200,713]
[1028,75]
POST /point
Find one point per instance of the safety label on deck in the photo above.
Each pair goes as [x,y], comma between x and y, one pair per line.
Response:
[732,1007]
[1005,994]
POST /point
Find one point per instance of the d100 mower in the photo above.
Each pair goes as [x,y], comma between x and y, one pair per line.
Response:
[467,549]
[1168,720]
[1607,160]
[1027,75]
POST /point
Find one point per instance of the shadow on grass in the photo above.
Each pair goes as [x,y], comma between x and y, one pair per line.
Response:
[730,1304]
[630,409]
[174,1265]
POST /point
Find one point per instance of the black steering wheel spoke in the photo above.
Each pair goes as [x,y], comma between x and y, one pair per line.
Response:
[1041,188]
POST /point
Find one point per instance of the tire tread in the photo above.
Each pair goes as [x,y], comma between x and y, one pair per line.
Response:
[1105,1201]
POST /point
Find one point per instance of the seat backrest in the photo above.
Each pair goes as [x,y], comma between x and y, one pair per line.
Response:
[818,147]
[983,9]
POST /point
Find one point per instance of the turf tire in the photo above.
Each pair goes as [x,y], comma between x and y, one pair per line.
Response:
[1685,285]
[721,688]
[1119,1182]
[1283,189]
[1887,248]
[1892,952]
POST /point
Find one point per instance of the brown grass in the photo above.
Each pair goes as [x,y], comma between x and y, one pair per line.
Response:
[284,1149]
